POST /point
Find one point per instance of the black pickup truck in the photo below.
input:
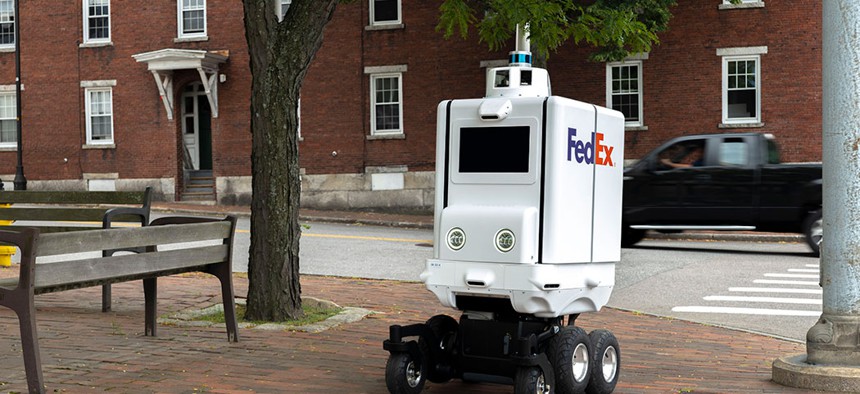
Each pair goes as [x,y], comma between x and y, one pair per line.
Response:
[729,182]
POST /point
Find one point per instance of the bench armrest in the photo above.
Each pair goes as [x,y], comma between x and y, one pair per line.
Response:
[25,239]
[142,213]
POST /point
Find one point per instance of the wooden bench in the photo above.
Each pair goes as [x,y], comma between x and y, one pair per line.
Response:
[73,271]
[62,211]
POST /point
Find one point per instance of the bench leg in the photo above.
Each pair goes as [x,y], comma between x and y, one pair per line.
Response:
[229,311]
[30,346]
[106,303]
[229,300]
[150,294]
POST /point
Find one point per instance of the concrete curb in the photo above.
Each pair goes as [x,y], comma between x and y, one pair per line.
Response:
[346,315]
[406,221]
[729,236]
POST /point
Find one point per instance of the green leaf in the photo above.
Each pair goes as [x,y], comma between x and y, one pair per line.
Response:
[614,28]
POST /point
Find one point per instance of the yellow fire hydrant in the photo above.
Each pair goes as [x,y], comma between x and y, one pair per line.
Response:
[6,251]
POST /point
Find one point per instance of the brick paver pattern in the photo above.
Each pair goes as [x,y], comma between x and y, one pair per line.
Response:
[85,350]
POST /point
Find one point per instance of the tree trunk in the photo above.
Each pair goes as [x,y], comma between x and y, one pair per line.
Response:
[280,53]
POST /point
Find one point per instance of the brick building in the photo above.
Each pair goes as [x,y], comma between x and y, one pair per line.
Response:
[121,97]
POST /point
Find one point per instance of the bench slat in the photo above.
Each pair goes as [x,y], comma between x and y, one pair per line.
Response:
[100,270]
[65,197]
[125,238]
[50,229]
[61,214]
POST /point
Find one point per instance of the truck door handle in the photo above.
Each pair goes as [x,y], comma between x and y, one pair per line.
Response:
[702,178]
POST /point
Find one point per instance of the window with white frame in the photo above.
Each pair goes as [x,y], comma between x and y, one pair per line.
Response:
[741,89]
[281,7]
[624,90]
[384,12]
[96,20]
[191,18]
[386,105]
[99,106]
[7,23]
[8,120]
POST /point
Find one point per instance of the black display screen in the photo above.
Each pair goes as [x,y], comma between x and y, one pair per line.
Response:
[494,149]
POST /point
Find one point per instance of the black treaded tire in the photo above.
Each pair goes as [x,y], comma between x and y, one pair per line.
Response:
[605,362]
[569,352]
[630,236]
[530,380]
[812,230]
[403,374]
[444,327]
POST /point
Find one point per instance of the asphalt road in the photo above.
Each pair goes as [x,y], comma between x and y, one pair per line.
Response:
[770,288]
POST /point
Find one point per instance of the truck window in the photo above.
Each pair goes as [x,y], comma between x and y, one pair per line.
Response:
[683,154]
[734,152]
[772,152]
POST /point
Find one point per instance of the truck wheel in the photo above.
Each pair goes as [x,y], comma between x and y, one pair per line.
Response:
[530,380]
[444,327]
[812,229]
[630,236]
[605,361]
[569,352]
[403,374]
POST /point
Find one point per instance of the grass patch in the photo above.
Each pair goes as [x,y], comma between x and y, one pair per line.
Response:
[313,314]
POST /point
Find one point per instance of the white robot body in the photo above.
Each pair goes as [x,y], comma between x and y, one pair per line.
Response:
[528,199]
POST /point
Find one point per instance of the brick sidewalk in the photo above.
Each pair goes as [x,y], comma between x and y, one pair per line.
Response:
[84,350]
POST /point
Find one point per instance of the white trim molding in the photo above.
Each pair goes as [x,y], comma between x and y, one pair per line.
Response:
[742,51]
[400,68]
[637,56]
[725,5]
[106,83]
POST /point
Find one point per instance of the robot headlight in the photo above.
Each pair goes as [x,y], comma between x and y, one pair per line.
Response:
[505,240]
[456,238]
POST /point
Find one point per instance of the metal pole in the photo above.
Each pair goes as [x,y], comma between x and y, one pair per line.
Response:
[20,181]
[833,340]
[832,359]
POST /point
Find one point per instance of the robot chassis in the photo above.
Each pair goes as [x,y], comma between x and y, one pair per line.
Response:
[532,180]
[537,355]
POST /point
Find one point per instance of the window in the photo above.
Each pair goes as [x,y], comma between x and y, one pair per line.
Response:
[772,151]
[8,120]
[281,7]
[386,104]
[192,18]
[7,23]
[741,90]
[96,20]
[624,90]
[99,105]
[734,152]
[683,154]
[384,12]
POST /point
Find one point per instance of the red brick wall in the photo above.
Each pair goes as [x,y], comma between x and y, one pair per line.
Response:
[682,81]
[682,85]
[683,75]
[54,122]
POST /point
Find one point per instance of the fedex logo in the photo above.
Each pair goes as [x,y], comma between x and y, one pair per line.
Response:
[590,152]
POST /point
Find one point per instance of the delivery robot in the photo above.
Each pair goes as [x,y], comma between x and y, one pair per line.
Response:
[527,234]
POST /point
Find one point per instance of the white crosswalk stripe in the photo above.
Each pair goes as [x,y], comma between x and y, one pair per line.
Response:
[784,284]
